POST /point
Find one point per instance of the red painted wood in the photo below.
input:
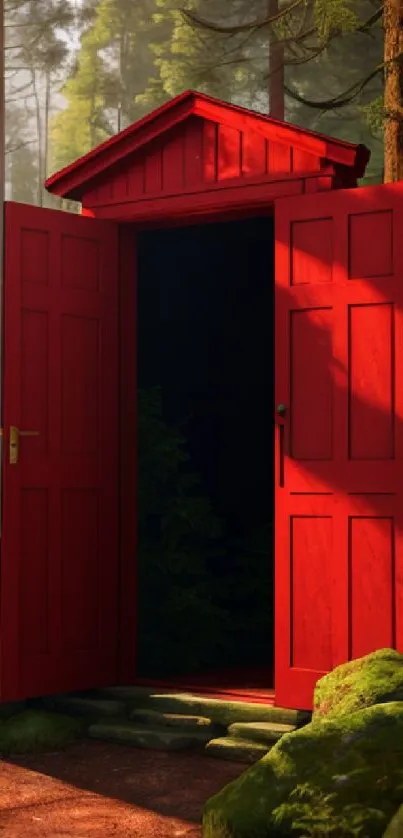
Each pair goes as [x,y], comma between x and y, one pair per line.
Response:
[339,371]
[254,152]
[282,132]
[128,452]
[193,140]
[371,587]
[252,696]
[59,551]
[279,157]
[210,144]
[105,190]
[229,121]
[136,178]
[120,185]
[153,171]
[217,200]
[90,198]
[229,153]
[303,161]
[326,182]
[196,156]
[244,684]
[173,163]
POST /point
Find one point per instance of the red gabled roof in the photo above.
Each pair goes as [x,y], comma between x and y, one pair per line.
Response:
[73,180]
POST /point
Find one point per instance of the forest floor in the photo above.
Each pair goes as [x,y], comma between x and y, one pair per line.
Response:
[102,790]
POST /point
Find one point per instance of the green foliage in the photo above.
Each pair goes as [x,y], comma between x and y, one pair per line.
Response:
[213,594]
[37,730]
[247,589]
[36,57]
[203,60]
[134,56]
[311,811]
[81,125]
[113,66]
[337,779]
[23,174]
[335,16]
[375,114]
[178,535]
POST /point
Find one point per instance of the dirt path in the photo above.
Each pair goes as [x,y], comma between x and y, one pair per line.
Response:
[99,790]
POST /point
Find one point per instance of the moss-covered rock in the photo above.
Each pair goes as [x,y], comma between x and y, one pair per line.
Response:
[235,749]
[395,828]
[11,708]
[360,683]
[340,779]
[37,730]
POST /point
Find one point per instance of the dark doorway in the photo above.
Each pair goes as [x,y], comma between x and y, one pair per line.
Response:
[205,378]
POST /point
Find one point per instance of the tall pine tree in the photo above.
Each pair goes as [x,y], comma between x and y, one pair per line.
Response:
[112,68]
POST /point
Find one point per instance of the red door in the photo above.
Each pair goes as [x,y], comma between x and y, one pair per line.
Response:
[59,547]
[339,374]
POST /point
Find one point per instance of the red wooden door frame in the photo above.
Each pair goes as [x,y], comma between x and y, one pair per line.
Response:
[128,450]
[216,206]
[227,198]
[127,453]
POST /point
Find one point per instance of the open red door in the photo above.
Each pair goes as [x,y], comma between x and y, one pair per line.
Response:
[59,546]
[339,440]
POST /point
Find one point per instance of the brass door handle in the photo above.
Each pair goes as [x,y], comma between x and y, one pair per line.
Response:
[14,448]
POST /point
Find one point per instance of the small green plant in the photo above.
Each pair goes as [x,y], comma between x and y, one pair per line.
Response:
[37,730]
[311,813]
[211,593]
[179,538]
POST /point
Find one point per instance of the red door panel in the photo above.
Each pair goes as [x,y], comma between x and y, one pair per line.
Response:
[339,447]
[59,549]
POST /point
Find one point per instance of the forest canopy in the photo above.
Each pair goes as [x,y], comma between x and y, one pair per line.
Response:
[78,71]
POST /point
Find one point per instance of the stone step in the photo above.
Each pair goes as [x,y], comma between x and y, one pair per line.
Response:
[264,732]
[91,707]
[147,736]
[236,749]
[220,711]
[175,720]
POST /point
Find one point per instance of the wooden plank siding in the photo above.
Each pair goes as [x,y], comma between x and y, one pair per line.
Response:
[194,156]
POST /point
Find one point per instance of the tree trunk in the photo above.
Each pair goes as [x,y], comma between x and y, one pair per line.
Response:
[46,127]
[40,138]
[276,69]
[393,92]
[46,130]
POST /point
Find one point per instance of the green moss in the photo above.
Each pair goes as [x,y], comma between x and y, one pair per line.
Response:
[11,708]
[341,778]
[220,711]
[395,828]
[37,730]
[373,679]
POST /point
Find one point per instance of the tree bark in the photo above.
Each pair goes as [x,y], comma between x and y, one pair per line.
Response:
[40,138]
[393,92]
[276,69]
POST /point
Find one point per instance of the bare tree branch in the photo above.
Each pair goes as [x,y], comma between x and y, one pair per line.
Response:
[11,148]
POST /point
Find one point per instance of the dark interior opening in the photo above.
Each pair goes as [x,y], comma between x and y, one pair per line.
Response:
[205,379]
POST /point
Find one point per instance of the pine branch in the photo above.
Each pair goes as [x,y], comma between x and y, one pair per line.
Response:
[10,149]
[342,99]
[254,25]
